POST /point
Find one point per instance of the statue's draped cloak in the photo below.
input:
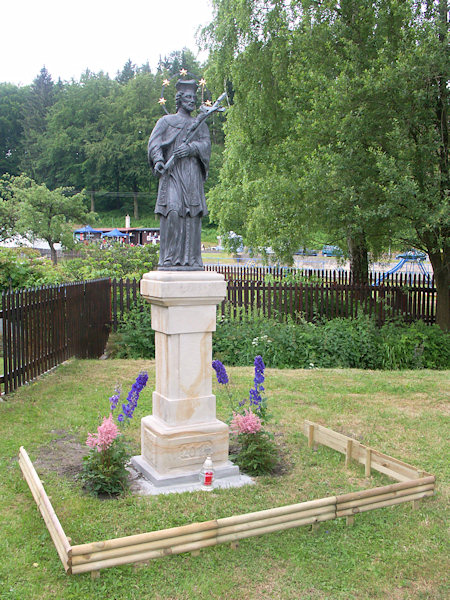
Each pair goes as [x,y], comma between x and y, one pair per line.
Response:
[181,189]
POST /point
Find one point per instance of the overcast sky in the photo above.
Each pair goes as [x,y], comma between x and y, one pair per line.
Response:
[70,36]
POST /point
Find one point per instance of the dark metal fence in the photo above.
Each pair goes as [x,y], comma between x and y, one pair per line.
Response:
[45,326]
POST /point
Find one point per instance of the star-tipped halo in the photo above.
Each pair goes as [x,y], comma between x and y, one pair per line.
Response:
[185,73]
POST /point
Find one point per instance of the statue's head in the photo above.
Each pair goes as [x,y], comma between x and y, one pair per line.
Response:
[186,95]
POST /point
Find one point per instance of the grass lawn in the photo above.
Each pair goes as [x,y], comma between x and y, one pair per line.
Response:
[392,553]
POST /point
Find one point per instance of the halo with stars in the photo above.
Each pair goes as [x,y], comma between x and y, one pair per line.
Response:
[183,73]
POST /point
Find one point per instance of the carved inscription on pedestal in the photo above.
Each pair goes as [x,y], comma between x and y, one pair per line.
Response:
[187,452]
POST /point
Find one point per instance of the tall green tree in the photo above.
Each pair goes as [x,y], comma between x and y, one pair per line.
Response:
[326,118]
[40,98]
[12,100]
[413,162]
[9,210]
[127,73]
[129,122]
[75,124]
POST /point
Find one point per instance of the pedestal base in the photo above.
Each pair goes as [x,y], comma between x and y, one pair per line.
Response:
[177,451]
[224,472]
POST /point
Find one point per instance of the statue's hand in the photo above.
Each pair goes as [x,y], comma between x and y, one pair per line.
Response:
[159,167]
[182,151]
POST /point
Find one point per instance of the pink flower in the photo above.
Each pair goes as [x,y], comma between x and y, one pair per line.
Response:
[246,423]
[106,434]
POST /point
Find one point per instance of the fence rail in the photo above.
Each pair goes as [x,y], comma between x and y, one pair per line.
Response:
[289,274]
[43,327]
[319,294]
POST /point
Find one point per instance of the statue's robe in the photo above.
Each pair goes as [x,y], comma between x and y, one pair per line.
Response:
[181,197]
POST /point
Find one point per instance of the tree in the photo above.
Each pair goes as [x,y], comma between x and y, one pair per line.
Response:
[128,72]
[131,115]
[341,127]
[413,163]
[75,126]
[12,100]
[47,214]
[9,212]
[40,98]
[177,60]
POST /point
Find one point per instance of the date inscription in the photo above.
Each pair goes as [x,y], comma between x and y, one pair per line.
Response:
[200,450]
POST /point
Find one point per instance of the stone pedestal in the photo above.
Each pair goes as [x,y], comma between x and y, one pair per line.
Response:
[183,428]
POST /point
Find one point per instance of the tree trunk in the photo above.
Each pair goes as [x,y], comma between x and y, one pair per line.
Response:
[359,261]
[135,204]
[440,262]
[53,254]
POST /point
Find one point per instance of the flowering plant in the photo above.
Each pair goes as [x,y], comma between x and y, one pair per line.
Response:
[104,469]
[255,450]
[256,400]
[132,398]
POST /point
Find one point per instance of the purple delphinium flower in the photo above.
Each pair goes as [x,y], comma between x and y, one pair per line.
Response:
[255,392]
[132,398]
[221,372]
[114,399]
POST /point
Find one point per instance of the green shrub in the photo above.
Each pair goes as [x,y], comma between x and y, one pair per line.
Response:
[105,472]
[118,260]
[339,343]
[256,453]
[347,343]
[25,268]
[135,337]
[414,346]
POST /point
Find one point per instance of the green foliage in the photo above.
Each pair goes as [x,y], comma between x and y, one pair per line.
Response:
[25,267]
[104,472]
[415,346]
[343,343]
[12,101]
[135,337]
[256,453]
[117,260]
[342,127]
[47,214]
[9,210]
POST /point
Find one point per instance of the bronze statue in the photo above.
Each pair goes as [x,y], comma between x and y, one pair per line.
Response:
[179,150]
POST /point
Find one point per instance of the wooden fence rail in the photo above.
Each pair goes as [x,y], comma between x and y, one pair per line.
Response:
[413,485]
[320,294]
[45,326]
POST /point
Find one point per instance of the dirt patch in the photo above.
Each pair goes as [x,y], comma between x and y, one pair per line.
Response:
[63,455]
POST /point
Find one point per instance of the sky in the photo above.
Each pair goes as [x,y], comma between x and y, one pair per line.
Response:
[68,37]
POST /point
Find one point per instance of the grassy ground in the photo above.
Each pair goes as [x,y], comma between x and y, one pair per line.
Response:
[393,553]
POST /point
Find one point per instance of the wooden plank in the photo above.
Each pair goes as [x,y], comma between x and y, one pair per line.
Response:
[384,504]
[415,489]
[380,462]
[57,534]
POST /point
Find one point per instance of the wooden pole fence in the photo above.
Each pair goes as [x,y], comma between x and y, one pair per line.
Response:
[412,485]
